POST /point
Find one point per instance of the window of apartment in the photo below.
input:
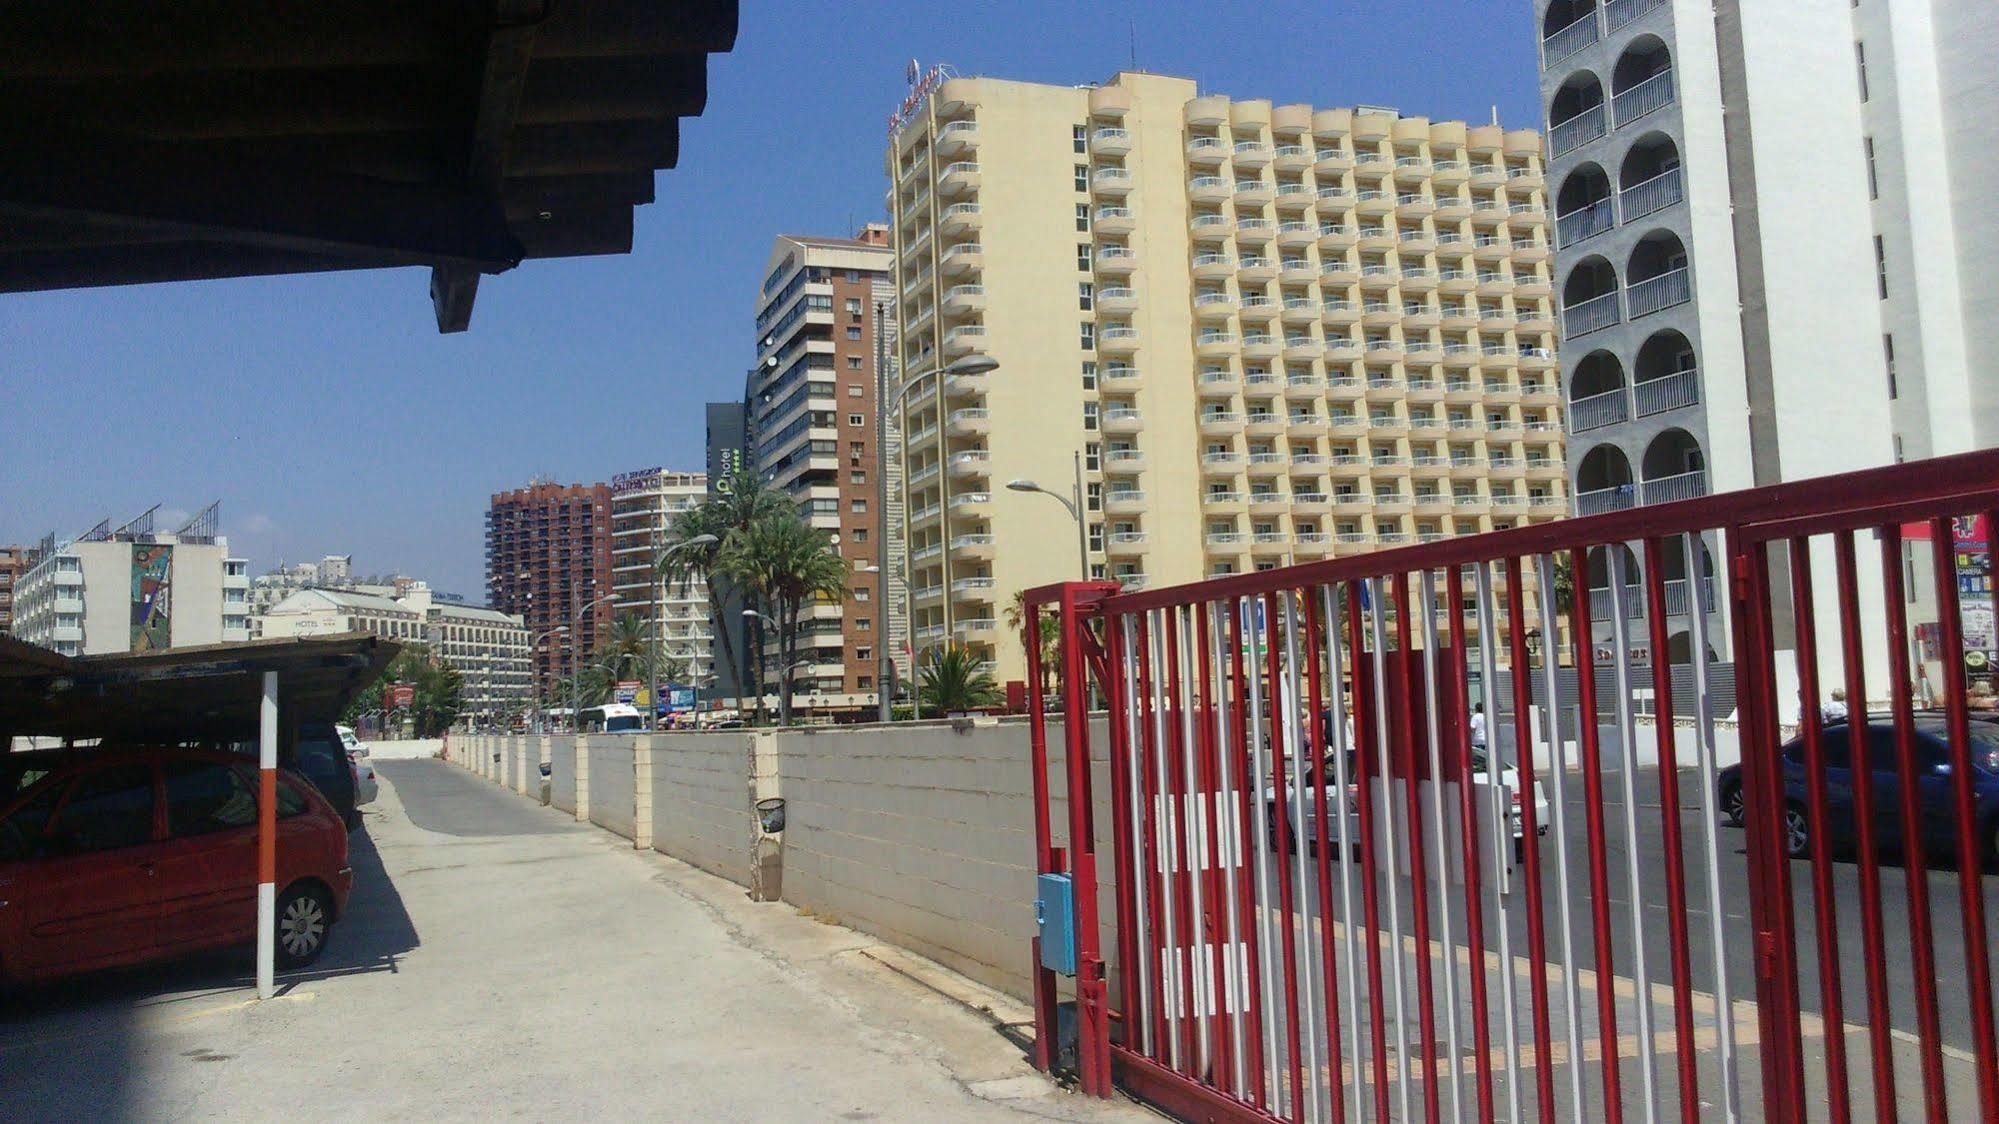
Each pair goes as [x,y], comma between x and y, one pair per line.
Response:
[1086,294]
[1860,62]
[1083,256]
[1082,177]
[1095,494]
[862,593]
[1898,460]
[856,419]
[1881,266]
[854,390]
[1873,181]
[860,534]
[855,448]
[858,507]
[853,362]
[1082,218]
[1096,537]
[1088,335]
[853,275]
[1888,353]
[857,478]
[1077,138]
[863,624]
[1093,455]
[1089,374]
[1090,416]
[854,306]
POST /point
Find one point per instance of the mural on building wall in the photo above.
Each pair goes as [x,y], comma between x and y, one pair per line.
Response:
[152,597]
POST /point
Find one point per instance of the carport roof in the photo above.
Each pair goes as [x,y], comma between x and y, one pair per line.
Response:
[206,692]
[225,138]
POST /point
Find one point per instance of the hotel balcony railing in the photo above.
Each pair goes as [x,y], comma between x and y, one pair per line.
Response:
[1683,486]
[1588,316]
[1585,222]
[1654,293]
[1656,396]
[1617,497]
[1619,13]
[1569,40]
[1654,93]
[1599,410]
[1657,193]
[1576,131]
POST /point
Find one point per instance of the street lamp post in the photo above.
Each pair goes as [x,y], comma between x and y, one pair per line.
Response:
[575,663]
[657,591]
[1075,512]
[753,615]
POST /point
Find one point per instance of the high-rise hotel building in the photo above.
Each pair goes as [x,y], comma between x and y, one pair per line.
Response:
[826,320]
[1274,334]
[644,505]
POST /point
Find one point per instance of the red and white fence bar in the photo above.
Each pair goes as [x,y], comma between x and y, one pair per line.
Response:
[1419,834]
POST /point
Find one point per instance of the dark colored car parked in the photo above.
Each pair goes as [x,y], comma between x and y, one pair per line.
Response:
[122,856]
[1935,797]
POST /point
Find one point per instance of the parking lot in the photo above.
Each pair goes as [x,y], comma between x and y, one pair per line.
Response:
[500,960]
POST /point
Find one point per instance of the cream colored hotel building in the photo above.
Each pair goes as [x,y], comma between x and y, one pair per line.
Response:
[1276,335]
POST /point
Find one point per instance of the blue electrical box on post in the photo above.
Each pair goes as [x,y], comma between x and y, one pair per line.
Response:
[1055,918]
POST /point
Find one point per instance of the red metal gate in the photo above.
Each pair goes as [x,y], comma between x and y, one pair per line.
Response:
[1444,830]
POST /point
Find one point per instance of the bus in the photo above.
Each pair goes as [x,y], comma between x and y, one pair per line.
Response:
[612,718]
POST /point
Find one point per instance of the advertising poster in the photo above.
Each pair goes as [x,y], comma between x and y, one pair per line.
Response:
[152,596]
[679,699]
[627,691]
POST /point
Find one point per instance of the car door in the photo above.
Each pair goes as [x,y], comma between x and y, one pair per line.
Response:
[92,894]
[1935,798]
[208,872]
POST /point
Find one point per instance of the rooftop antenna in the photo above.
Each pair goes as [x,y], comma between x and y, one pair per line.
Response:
[1495,114]
[1131,32]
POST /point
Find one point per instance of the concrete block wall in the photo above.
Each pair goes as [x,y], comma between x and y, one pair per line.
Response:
[613,798]
[701,803]
[562,772]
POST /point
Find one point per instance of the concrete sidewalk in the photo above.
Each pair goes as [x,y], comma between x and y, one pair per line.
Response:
[500,960]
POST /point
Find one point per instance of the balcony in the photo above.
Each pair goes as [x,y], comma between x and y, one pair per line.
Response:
[973,589]
[1264,423]
[1110,142]
[1223,382]
[1293,157]
[1122,421]
[960,384]
[1213,267]
[1338,273]
[1114,220]
[1120,375]
[1257,269]
[1114,182]
[1268,502]
[1655,194]
[1577,131]
[1332,161]
[1294,234]
[1259,345]
[976,626]
[1337,236]
[969,422]
[1302,424]
[959,218]
[1670,392]
[1117,260]
[956,137]
[1116,299]
[1591,315]
[1215,345]
[1684,486]
[1306,387]
[972,503]
[970,463]
[1251,154]
[1209,228]
[1614,498]
[1125,544]
[958,179]
[1268,464]
[1414,204]
[1226,542]
[1653,94]
[1618,14]
[1124,461]
[1117,339]
[1124,501]
[1220,423]
[1293,195]
[1258,231]
[1207,150]
[1449,173]
[1214,306]
[1586,222]
[1569,40]
[965,257]
[1253,192]
[964,339]
[1656,293]
[1338,313]
[961,299]
[974,546]
[1209,189]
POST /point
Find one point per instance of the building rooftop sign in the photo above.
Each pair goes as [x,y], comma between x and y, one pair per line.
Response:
[922,83]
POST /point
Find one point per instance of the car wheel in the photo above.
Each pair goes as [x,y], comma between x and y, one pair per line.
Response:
[1731,802]
[304,917]
[1797,832]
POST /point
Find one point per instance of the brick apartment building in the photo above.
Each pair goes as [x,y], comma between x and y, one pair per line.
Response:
[548,556]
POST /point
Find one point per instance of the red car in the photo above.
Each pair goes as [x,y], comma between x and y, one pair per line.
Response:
[124,856]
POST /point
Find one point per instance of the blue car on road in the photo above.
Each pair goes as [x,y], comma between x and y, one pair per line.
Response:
[1935,795]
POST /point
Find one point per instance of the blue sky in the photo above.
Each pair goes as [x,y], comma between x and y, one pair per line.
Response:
[330,417]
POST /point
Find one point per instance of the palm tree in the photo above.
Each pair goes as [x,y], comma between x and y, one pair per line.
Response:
[955,680]
[785,563]
[738,503]
[1051,637]
[621,657]
[1563,578]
